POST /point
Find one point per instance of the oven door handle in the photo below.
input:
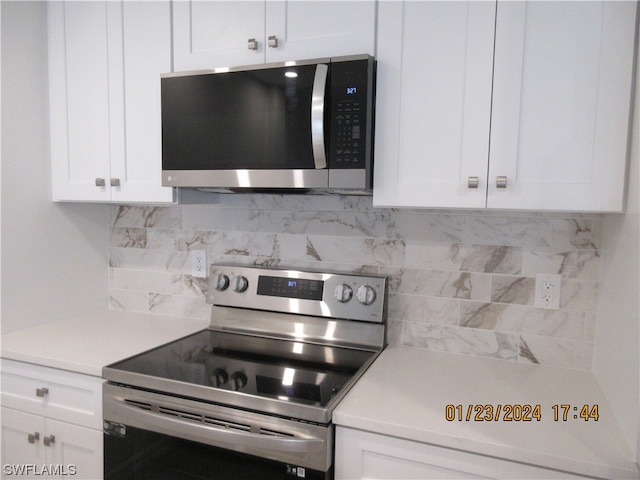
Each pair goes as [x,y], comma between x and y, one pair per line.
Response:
[212,435]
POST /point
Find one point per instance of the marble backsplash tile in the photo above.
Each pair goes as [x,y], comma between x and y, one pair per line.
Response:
[459,281]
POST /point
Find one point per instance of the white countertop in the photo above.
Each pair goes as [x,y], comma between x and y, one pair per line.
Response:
[86,343]
[406,391]
[403,394]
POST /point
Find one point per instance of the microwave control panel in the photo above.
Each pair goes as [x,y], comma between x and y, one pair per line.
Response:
[350,144]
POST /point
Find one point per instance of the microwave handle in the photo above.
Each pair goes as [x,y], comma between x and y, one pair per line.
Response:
[317,116]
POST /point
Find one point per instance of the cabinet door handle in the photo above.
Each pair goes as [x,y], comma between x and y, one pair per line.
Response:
[48,440]
[273,41]
[252,44]
[33,437]
[501,182]
[100,182]
[114,182]
[41,392]
[473,182]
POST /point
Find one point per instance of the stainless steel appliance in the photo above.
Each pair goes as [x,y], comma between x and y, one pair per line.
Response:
[252,396]
[303,126]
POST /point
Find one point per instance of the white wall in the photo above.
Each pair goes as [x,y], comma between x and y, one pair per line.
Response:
[617,352]
[54,256]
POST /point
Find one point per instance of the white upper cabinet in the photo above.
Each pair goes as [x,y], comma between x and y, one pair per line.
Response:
[561,100]
[433,103]
[216,34]
[105,61]
[209,34]
[540,122]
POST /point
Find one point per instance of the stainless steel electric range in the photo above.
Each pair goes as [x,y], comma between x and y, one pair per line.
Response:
[251,396]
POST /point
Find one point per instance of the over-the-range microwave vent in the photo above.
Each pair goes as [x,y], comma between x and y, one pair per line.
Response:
[287,191]
[291,127]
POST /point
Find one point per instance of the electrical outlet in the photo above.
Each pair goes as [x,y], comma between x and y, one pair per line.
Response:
[548,291]
[199,263]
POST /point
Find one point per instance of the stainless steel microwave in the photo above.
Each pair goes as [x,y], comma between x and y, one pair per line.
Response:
[303,126]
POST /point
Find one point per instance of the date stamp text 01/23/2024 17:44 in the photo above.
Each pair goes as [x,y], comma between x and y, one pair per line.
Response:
[519,412]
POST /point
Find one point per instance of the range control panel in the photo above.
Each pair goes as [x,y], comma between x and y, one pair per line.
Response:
[331,295]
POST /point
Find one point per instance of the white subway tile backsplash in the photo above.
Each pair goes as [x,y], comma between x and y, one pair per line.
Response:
[459,281]
[577,263]
[467,341]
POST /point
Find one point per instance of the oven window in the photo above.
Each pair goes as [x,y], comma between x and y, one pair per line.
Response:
[153,456]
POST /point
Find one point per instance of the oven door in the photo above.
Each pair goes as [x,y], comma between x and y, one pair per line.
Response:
[153,436]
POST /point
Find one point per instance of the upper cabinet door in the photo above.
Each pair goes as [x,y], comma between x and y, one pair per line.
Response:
[315,29]
[142,33]
[561,100]
[209,34]
[213,34]
[105,61]
[79,100]
[433,103]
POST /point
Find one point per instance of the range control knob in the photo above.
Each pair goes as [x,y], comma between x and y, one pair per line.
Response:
[222,282]
[219,377]
[343,292]
[238,380]
[240,283]
[366,295]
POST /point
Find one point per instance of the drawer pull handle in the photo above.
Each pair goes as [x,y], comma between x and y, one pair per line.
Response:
[114,182]
[473,182]
[252,44]
[501,182]
[49,440]
[41,392]
[273,41]
[33,437]
[100,182]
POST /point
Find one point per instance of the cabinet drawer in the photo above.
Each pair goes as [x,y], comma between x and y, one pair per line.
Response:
[53,393]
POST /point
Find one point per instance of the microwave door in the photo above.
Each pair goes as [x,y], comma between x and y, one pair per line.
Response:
[249,129]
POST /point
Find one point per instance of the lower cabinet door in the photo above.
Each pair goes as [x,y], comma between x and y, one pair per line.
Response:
[75,451]
[38,447]
[21,442]
[361,455]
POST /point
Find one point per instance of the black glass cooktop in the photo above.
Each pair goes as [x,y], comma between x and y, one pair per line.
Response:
[264,367]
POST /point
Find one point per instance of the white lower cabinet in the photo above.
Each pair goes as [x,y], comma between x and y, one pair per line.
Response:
[51,423]
[34,446]
[365,455]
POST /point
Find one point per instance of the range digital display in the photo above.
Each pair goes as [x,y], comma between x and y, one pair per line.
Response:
[290,287]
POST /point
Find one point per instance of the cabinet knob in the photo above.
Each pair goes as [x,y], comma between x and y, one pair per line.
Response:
[252,44]
[33,437]
[48,440]
[100,182]
[41,392]
[273,41]
[114,182]
[501,182]
[473,182]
